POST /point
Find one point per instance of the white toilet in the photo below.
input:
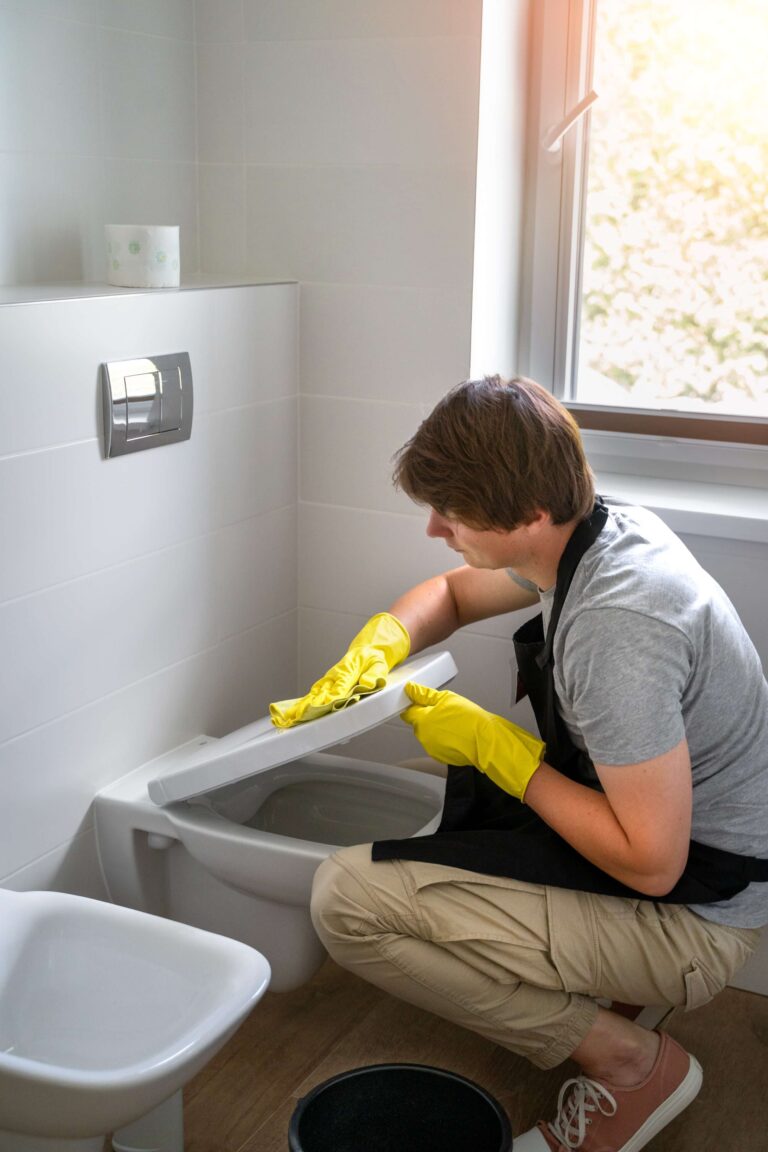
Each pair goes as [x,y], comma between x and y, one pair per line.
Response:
[227,834]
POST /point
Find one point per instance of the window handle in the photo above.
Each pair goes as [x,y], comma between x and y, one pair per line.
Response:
[553,137]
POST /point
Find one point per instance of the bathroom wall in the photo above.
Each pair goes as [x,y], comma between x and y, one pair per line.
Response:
[97,125]
[373,364]
[146,598]
[338,144]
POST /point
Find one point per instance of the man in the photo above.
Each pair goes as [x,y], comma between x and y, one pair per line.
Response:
[621,858]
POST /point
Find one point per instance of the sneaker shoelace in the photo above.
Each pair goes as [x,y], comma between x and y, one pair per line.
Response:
[570,1125]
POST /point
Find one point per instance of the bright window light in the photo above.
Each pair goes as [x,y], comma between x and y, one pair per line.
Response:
[674,301]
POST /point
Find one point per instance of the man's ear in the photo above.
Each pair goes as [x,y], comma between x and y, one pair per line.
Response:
[539,520]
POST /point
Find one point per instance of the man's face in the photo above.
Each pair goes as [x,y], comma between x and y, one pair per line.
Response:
[482,547]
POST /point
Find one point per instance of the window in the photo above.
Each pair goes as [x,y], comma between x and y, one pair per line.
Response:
[648,236]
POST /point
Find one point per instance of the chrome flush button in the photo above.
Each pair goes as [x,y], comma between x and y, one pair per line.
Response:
[147,402]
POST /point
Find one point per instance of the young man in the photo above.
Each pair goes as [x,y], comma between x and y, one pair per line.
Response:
[622,857]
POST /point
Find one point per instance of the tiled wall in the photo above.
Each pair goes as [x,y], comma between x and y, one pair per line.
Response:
[337,143]
[97,125]
[146,598]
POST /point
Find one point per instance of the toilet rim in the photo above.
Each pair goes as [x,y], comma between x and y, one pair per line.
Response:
[322,767]
[201,813]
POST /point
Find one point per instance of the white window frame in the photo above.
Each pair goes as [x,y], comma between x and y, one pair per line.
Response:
[725,449]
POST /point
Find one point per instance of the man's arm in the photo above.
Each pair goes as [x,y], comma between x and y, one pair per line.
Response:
[638,830]
[432,611]
[429,613]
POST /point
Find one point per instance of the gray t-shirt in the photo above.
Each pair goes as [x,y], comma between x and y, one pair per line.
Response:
[649,650]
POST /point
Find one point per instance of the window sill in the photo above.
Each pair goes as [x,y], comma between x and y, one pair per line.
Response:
[721,510]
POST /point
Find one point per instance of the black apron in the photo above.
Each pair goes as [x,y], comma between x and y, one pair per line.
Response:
[484,829]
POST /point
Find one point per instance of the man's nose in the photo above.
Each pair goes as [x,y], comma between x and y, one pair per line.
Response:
[438,526]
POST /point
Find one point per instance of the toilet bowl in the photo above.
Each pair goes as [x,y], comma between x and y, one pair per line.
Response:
[227,834]
[105,1013]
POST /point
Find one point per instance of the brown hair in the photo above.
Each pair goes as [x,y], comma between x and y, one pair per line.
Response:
[493,452]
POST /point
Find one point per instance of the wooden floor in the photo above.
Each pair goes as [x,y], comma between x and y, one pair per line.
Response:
[243,1100]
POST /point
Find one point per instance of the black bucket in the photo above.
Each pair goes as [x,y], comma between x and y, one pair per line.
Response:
[399,1108]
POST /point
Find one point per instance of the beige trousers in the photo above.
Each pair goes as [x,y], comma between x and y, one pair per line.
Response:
[522,964]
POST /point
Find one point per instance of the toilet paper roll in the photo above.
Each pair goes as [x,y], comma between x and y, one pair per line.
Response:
[143,255]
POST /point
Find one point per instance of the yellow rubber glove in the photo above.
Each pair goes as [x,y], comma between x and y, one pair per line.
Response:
[364,668]
[454,730]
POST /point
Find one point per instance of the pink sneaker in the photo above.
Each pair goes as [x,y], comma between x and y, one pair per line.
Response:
[598,1117]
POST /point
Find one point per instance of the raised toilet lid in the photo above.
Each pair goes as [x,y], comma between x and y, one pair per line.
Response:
[259,746]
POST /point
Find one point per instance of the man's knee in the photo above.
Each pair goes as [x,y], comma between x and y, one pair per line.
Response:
[339,899]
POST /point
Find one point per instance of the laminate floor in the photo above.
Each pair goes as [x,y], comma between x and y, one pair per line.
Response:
[243,1100]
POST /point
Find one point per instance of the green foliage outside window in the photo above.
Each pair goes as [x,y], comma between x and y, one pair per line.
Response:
[675,277]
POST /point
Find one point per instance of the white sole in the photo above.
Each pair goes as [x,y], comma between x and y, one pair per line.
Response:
[686,1091]
[530,1141]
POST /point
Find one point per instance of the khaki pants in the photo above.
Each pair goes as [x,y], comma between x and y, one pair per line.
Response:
[522,964]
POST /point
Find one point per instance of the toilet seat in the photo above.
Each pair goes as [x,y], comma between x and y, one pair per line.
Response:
[260,746]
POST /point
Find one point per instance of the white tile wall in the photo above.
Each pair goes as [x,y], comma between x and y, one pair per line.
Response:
[362,225]
[219,477]
[149,597]
[380,342]
[217,21]
[86,85]
[222,217]
[172,18]
[72,867]
[148,95]
[52,222]
[394,102]
[738,566]
[341,19]
[220,103]
[337,144]
[222,330]
[50,90]
[84,11]
[360,437]
[356,560]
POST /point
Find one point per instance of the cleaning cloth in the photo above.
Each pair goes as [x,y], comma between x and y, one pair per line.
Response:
[374,652]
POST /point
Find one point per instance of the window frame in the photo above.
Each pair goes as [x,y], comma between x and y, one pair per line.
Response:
[562,39]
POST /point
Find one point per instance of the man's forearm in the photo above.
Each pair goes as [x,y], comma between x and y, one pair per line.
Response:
[428,613]
[584,817]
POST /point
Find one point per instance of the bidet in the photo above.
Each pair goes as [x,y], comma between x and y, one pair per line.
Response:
[105,1013]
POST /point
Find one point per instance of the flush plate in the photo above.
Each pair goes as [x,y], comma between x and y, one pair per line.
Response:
[146,402]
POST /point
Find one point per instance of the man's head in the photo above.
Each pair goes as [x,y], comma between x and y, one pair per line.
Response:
[494,453]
